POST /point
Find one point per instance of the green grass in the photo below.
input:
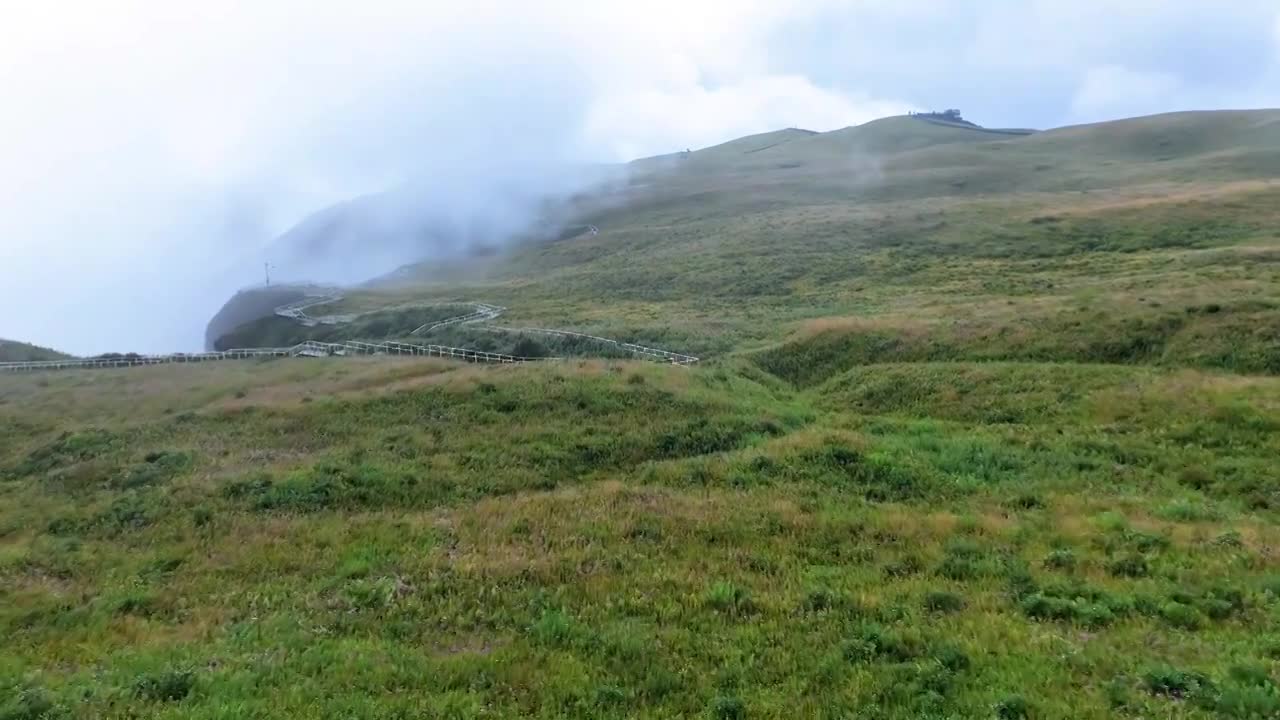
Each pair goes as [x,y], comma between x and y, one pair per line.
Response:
[632,540]
[967,441]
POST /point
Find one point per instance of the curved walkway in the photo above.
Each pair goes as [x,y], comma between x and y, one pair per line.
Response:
[481,313]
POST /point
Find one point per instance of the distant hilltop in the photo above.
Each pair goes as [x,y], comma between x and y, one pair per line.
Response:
[14,351]
[952,118]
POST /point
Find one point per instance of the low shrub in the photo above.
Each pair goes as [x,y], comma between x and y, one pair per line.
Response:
[820,599]
[1013,707]
[169,686]
[24,703]
[904,566]
[876,642]
[952,658]
[1026,501]
[1171,682]
[554,628]
[1130,565]
[1061,559]
[728,598]
[728,707]
[157,467]
[941,601]
[68,449]
[1181,616]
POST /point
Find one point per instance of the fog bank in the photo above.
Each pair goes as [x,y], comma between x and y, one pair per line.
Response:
[151,153]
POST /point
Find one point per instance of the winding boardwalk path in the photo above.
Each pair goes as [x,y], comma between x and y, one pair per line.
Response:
[480,313]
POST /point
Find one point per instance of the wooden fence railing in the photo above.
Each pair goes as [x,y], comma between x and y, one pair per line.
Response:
[311,348]
[305,349]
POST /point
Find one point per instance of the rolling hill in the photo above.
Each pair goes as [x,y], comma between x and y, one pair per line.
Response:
[727,248]
[14,351]
[983,426]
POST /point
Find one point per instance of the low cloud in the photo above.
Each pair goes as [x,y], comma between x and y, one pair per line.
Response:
[644,121]
[150,152]
[1112,91]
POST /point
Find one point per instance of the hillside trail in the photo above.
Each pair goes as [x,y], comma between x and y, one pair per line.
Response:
[480,313]
[297,311]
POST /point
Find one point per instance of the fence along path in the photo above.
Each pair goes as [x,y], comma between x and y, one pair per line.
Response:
[650,352]
[311,348]
[481,312]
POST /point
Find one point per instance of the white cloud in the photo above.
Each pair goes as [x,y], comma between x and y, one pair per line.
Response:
[1277,38]
[1112,91]
[644,122]
[142,142]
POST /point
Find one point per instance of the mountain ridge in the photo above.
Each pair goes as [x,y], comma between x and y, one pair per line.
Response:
[892,168]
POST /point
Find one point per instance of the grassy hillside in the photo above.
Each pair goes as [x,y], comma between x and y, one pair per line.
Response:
[736,243]
[14,351]
[1068,254]
[266,539]
[249,305]
[985,427]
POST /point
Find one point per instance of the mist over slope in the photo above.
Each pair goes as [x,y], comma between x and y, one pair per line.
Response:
[440,219]
[962,404]
[892,159]
[468,211]
[794,224]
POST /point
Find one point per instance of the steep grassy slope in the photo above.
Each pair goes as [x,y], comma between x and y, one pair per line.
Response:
[14,351]
[248,306]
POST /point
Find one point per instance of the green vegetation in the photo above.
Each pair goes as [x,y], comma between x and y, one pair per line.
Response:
[1004,449]
[627,539]
[275,331]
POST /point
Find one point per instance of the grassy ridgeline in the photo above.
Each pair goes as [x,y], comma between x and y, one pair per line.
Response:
[13,351]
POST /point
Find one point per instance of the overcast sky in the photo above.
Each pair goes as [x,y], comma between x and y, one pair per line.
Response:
[144,145]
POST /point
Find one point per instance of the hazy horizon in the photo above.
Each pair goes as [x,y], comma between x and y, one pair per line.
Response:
[149,152]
